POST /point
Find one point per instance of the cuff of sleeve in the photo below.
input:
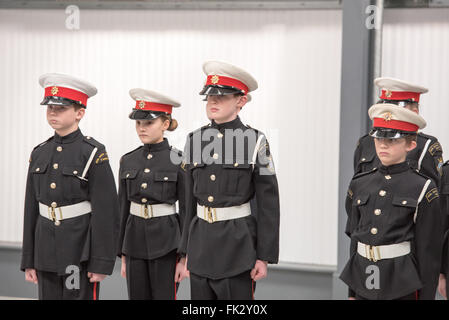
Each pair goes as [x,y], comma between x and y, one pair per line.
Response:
[351,293]
[27,262]
[101,266]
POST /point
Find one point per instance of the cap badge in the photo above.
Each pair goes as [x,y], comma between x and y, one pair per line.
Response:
[387,116]
[142,104]
[54,90]
[214,79]
[388,94]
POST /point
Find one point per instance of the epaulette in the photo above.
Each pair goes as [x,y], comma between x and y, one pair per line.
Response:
[421,174]
[42,143]
[93,142]
[128,153]
[199,129]
[179,152]
[362,174]
[427,136]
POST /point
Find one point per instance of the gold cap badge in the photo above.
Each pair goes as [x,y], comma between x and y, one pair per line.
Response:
[142,104]
[54,90]
[387,116]
[214,79]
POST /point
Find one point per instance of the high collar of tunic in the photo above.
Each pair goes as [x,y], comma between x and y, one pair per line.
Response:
[157,146]
[67,138]
[234,124]
[394,168]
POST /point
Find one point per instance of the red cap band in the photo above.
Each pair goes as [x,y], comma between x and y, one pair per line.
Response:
[395,124]
[153,106]
[67,93]
[226,81]
[400,95]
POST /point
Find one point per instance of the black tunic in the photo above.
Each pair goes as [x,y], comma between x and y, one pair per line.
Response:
[227,248]
[365,158]
[445,210]
[394,190]
[157,178]
[52,177]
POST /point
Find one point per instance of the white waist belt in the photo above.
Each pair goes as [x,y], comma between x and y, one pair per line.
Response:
[221,214]
[375,253]
[152,210]
[57,214]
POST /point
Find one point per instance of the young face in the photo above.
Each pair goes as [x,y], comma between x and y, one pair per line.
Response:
[64,119]
[412,107]
[224,108]
[393,151]
[151,131]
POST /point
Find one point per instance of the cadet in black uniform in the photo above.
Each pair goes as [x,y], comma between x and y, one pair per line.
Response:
[71,207]
[443,287]
[228,243]
[394,219]
[426,157]
[151,181]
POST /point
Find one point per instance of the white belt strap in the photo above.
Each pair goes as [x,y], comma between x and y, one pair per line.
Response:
[147,211]
[57,214]
[221,214]
[423,153]
[423,192]
[86,168]
[376,253]
[256,149]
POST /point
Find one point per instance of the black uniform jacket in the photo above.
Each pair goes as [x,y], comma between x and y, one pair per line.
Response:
[150,175]
[55,176]
[381,207]
[218,176]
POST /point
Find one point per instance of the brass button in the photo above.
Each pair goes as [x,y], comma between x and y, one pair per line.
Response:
[146,170]
[149,156]
[374,230]
[53,185]
[55,166]
[59,149]
[57,223]
[212,177]
[127,175]
[404,202]
[220,135]
[88,138]
[54,204]
[75,172]
[144,200]
[210,199]
[236,164]
[363,159]
[144,185]
[388,177]
[358,201]
[38,169]
[377,212]
[382,193]
[195,164]
[215,156]
[165,178]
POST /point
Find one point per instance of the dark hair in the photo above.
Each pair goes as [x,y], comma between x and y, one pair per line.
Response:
[173,123]
[409,138]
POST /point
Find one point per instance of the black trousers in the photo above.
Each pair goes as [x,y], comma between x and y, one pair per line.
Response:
[239,287]
[73,286]
[152,279]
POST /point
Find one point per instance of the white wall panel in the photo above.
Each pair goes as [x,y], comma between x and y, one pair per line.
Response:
[416,49]
[295,56]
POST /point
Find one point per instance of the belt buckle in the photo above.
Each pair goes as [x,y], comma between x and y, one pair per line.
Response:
[370,252]
[145,211]
[52,215]
[210,214]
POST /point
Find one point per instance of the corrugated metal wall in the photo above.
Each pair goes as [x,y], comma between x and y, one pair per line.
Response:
[295,56]
[416,49]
